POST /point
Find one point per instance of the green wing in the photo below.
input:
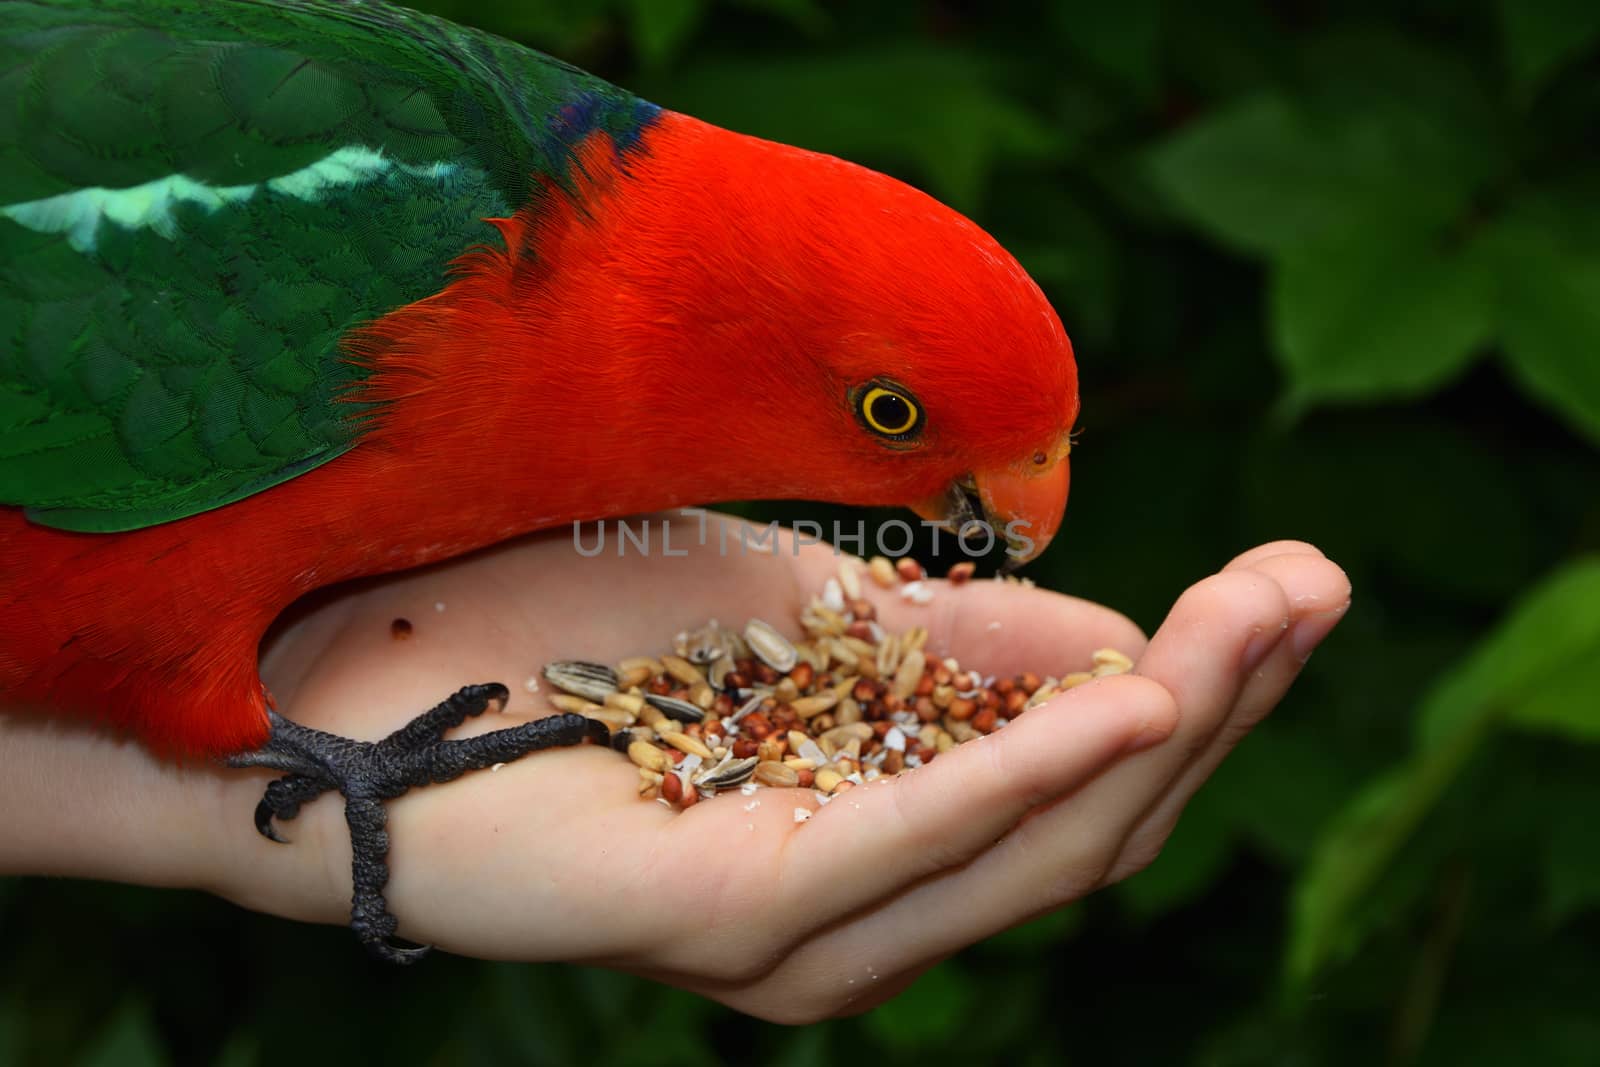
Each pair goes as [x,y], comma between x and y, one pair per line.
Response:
[199,198]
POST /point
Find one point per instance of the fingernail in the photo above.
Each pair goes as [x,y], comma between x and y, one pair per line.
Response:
[1260,645]
[1308,633]
[1149,736]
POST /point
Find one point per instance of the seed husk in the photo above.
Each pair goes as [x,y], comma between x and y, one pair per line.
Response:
[883,572]
[806,707]
[614,720]
[573,705]
[775,774]
[1110,661]
[647,756]
[690,746]
[909,673]
[849,704]
[729,773]
[769,646]
[849,579]
[682,670]
[592,681]
[673,708]
[629,702]
[888,656]
[633,678]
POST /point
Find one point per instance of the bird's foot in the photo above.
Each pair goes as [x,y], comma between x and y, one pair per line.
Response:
[371,772]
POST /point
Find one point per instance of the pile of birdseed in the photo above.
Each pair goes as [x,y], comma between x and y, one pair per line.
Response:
[740,709]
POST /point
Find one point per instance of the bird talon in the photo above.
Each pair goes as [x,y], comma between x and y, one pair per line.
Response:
[392,950]
[264,824]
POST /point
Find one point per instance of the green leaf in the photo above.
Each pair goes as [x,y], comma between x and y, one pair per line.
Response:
[922,106]
[933,1010]
[1255,176]
[1374,314]
[1280,786]
[1547,260]
[1555,626]
[661,27]
[1383,134]
[804,15]
[1119,39]
[1542,35]
[1275,176]
[1354,852]
[1553,633]
[1567,701]
[1571,862]
[128,1040]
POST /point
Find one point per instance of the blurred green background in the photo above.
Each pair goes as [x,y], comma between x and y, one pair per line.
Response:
[1332,272]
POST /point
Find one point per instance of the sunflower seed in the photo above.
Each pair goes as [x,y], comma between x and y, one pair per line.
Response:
[769,646]
[592,681]
[672,707]
[729,773]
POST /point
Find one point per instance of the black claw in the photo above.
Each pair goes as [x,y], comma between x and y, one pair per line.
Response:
[390,951]
[369,773]
[264,822]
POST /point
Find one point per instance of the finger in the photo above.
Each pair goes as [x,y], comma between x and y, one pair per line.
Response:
[891,833]
[1245,560]
[1318,593]
[1005,628]
[1067,849]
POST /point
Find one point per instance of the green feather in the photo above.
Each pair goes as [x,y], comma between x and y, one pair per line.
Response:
[199,198]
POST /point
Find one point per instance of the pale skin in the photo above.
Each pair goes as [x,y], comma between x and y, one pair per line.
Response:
[555,857]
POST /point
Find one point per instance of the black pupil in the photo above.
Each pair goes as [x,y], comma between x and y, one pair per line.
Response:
[891,412]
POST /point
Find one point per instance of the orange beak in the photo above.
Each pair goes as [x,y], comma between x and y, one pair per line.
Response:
[1023,503]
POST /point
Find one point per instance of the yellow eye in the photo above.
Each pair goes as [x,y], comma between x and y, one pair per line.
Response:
[889,411]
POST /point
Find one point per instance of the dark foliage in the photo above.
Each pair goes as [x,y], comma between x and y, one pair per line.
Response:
[1333,272]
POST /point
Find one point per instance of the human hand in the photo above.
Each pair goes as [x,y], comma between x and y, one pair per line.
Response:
[554,857]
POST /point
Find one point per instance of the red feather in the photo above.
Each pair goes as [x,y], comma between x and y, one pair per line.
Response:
[680,328]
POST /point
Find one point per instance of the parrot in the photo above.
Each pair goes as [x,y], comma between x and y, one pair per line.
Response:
[303,291]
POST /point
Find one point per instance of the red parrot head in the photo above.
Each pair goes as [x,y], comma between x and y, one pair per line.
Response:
[754,321]
[864,343]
